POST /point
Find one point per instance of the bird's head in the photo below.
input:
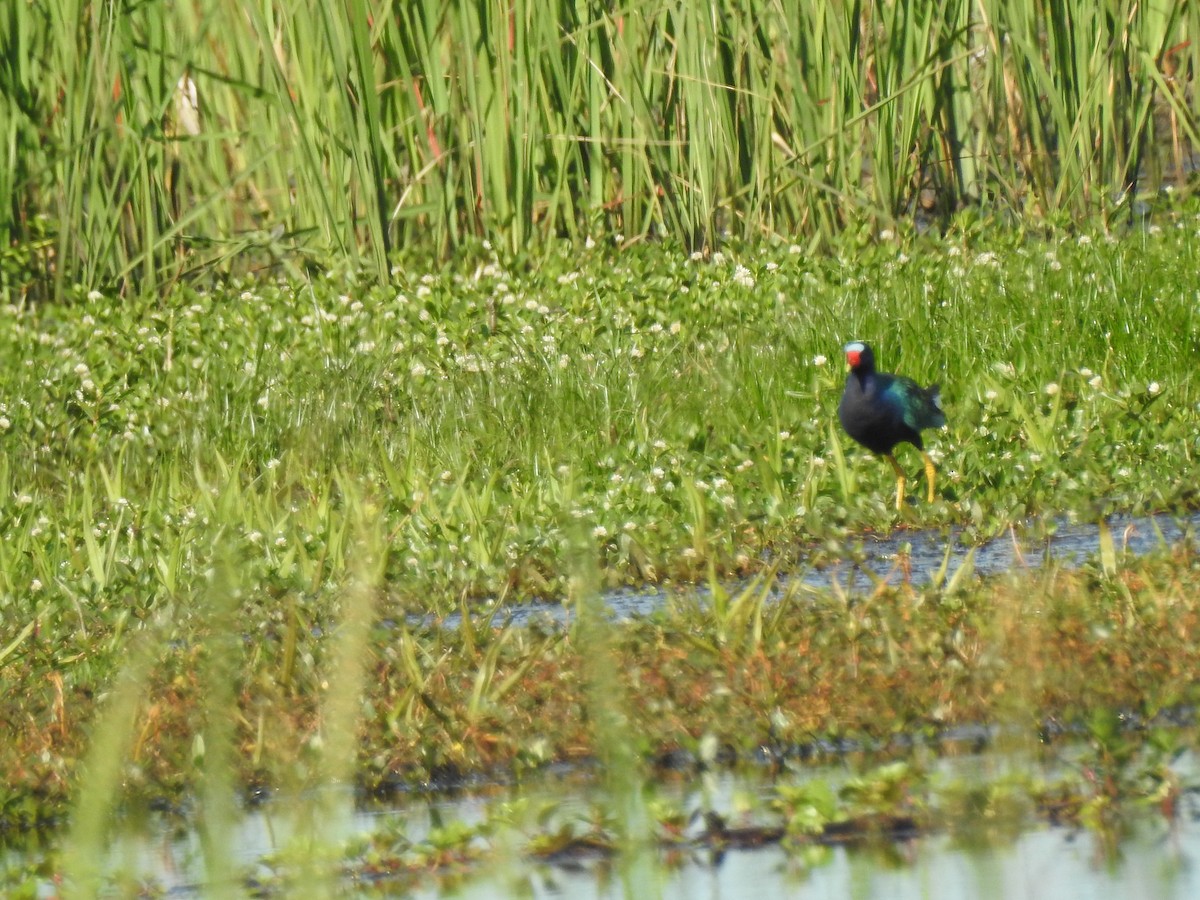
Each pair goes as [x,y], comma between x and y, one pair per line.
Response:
[859,356]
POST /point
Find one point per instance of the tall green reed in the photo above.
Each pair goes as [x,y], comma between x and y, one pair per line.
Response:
[170,139]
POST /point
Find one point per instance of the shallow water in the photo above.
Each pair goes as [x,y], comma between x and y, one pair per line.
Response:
[913,556]
[1159,859]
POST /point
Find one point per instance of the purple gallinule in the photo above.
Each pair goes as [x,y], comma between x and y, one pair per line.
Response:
[880,411]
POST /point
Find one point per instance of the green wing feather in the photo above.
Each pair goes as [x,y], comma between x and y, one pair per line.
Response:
[920,407]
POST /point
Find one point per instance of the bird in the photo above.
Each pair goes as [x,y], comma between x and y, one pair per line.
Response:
[880,411]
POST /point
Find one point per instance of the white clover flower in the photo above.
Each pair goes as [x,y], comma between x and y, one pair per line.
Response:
[657,472]
[272,464]
[784,435]
[1084,240]
[675,328]
[819,360]
[742,276]
[819,462]
[795,250]
[599,532]
[589,242]
[81,369]
[35,585]
[696,256]
[417,370]
[1154,388]
[4,423]
[1095,381]
[94,295]
[1051,389]
[564,361]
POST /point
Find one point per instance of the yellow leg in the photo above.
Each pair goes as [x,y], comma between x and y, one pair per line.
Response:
[930,473]
[901,480]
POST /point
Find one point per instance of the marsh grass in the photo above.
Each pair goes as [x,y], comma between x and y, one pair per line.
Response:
[193,476]
[682,409]
[1100,655]
[150,144]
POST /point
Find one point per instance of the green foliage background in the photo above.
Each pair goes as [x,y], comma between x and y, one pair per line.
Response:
[147,141]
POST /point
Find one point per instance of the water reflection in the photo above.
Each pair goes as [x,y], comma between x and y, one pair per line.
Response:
[1156,860]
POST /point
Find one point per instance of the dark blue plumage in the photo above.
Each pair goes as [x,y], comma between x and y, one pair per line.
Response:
[880,411]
